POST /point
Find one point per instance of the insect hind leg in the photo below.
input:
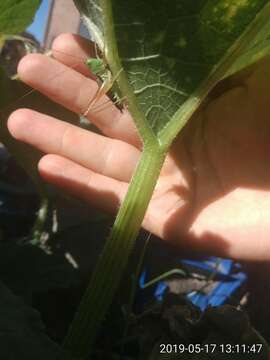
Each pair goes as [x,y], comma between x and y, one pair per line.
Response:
[103,90]
[107,104]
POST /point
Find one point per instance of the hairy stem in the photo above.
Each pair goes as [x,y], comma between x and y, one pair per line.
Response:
[112,57]
[109,270]
[107,275]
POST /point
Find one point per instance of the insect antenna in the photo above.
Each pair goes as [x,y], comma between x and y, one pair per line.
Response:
[103,90]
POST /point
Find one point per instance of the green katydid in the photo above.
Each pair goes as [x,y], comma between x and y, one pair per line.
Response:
[100,70]
[103,74]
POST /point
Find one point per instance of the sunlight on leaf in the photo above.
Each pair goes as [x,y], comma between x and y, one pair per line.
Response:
[256,50]
[168,49]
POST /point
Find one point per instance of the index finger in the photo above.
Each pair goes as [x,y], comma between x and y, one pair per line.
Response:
[73,90]
[70,49]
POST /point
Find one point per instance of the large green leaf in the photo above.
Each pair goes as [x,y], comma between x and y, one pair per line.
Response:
[170,50]
[16,15]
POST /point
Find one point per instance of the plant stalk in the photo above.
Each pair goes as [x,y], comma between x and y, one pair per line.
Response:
[109,269]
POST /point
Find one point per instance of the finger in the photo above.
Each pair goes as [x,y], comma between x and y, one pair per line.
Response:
[109,157]
[74,91]
[102,192]
[72,49]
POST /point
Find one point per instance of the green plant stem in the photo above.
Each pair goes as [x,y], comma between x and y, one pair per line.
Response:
[108,272]
[112,57]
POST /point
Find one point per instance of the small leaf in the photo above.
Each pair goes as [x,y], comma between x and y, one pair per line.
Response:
[16,15]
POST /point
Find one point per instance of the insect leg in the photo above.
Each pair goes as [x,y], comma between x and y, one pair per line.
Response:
[104,88]
[106,104]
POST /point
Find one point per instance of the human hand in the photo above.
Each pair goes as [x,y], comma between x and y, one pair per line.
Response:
[213,194]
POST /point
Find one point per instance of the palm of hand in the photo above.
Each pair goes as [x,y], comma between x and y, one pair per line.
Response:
[221,180]
[212,194]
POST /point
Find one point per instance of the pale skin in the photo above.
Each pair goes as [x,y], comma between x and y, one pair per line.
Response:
[213,194]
